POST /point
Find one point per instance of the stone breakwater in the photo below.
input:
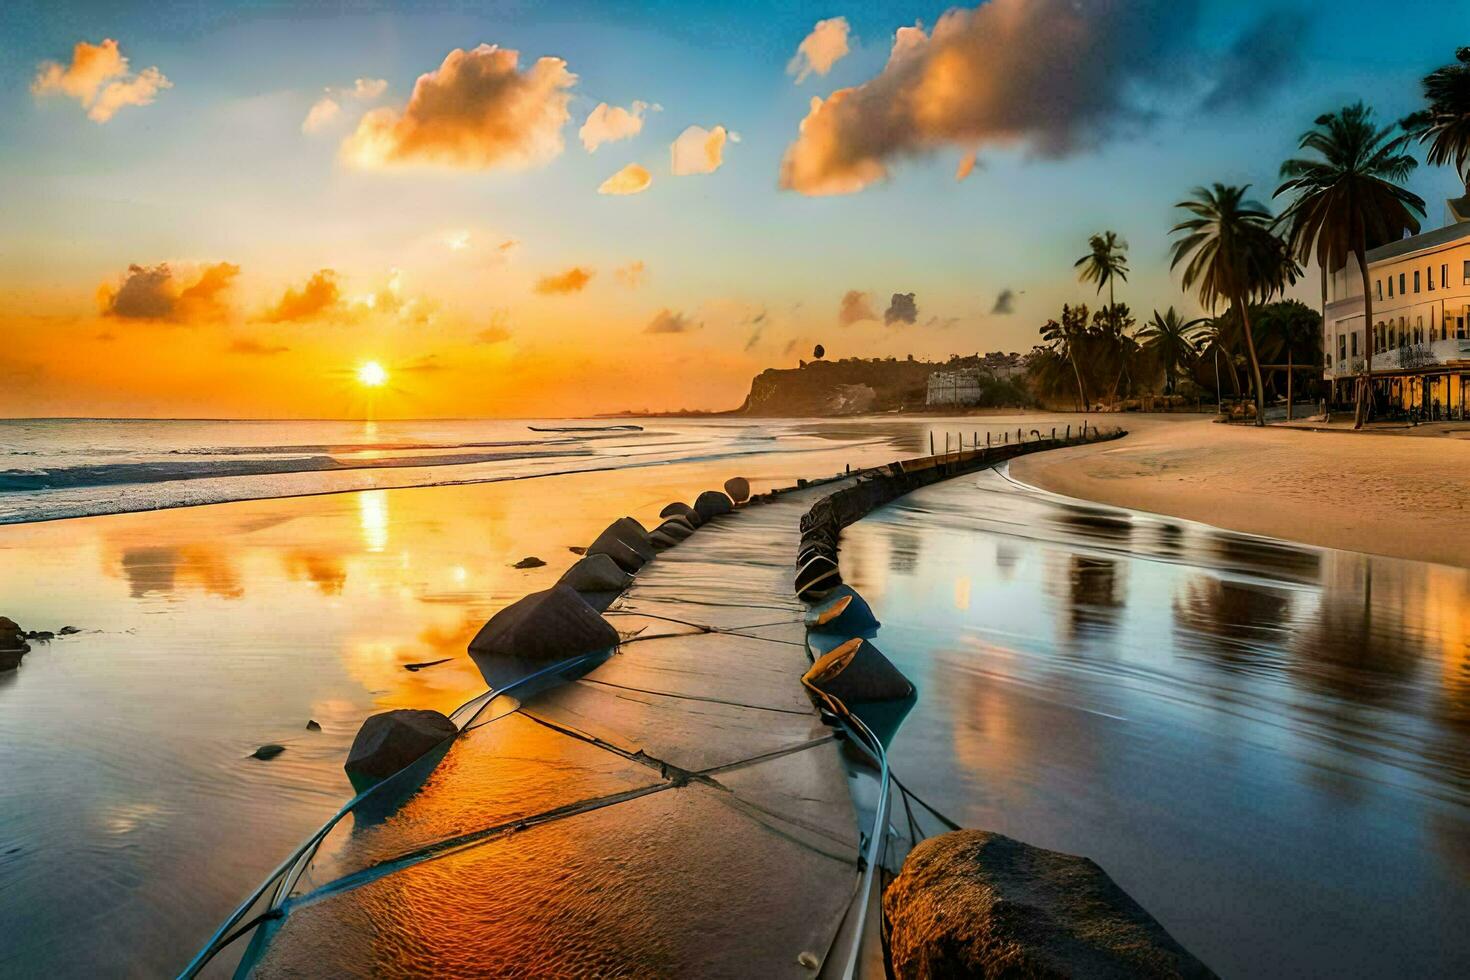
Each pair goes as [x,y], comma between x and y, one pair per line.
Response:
[655,784]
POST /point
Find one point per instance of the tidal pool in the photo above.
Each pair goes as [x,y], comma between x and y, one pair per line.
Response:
[1266,744]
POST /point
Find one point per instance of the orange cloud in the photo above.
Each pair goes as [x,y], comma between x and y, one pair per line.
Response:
[154,293]
[574,280]
[856,306]
[632,274]
[477,110]
[632,179]
[255,348]
[699,150]
[322,112]
[329,106]
[667,321]
[320,296]
[98,78]
[988,76]
[608,124]
[821,49]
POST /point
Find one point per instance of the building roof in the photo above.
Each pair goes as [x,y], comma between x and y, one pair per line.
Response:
[1460,206]
[1428,239]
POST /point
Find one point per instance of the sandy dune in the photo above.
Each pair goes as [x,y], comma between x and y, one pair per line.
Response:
[1388,495]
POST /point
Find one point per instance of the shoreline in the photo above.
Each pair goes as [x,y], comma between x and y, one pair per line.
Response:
[1400,498]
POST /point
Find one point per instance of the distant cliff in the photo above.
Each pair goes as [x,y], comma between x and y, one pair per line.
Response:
[854,386]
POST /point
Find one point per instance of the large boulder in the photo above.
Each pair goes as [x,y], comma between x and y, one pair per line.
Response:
[674,527]
[976,904]
[13,644]
[738,487]
[596,573]
[711,504]
[625,542]
[393,740]
[681,509]
[543,627]
[854,673]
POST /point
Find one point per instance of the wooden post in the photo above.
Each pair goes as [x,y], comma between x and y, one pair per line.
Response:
[1069,433]
[1288,384]
[931,442]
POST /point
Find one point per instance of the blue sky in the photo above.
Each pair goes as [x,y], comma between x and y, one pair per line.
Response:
[217,169]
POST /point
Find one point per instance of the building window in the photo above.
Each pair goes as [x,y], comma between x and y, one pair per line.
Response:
[1460,327]
[1419,330]
[1355,343]
[1416,280]
[1390,287]
[1378,287]
[1401,284]
[1341,347]
[1429,278]
[1444,276]
[1467,272]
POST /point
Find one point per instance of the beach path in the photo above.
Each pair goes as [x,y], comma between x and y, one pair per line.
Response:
[680,810]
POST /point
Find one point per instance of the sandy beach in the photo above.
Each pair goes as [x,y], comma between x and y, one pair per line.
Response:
[1377,493]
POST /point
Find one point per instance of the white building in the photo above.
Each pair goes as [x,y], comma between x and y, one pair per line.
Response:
[1421,321]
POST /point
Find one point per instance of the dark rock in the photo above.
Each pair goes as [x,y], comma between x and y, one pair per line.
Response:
[738,487]
[312,725]
[977,904]
[843,612]
[13,644]
[42,635]
[673,527]
[680,520]
[530,561]
[711,504]
[268,751]
[662,540]
[596,573]
[817,576]
[856,673]
[576,549]
[391,740]
[625,542]
[680,509]
[427,663]
[68,630]
[545,626]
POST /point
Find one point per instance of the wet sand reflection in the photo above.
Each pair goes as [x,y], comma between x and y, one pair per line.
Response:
[1264,743]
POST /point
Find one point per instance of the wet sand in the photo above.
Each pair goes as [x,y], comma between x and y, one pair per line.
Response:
[1380,494]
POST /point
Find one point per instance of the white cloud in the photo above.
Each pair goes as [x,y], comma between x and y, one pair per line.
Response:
[821,49]
[632,179]
[698,151]
[323,111]
[607,124]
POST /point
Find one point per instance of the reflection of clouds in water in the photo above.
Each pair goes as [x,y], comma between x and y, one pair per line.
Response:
[962,593]
[372,510]
[326,571]
[165,570]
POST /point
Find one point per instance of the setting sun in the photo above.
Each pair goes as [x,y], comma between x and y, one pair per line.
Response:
[372,374]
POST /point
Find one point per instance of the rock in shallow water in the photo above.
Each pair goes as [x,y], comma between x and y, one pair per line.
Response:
[596,573]
[738,487]
[681,509]
[545,626]
[530,561]
[392,740]
[13,644]
[711,504]
[976,904]
[268,751]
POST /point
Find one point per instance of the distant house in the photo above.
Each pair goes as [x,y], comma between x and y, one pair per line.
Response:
[962,387]
[1420,340]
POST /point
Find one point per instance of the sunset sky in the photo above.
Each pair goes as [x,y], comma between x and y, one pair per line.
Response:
[524,209]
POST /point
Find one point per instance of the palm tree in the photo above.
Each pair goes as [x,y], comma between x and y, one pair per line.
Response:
[1066,338]
[1348,200]
[1173,340]
[1234,255]
[1445,124]
[1104,262]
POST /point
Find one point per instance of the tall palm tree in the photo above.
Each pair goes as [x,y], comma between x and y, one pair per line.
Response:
[1067,338]
[1348,199]
[1173,340]
[1230,252]
[1445,123]
[1104,262]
